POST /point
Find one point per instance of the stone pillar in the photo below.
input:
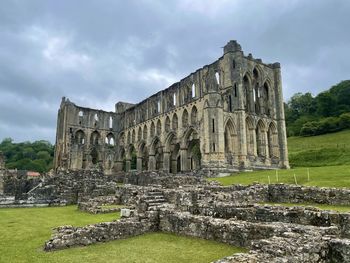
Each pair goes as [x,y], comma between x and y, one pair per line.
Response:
[184,160]
[242,133]
[152,163]
[281,125]
[127,165]
[166,161]
[139,164]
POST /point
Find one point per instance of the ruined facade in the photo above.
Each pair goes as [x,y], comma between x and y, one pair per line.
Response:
[226,116]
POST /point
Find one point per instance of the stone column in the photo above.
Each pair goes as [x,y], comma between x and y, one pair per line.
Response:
[139,164]
[127,165]
[281,125]
[166,161]
[241,125]
[152,163]
[184,160]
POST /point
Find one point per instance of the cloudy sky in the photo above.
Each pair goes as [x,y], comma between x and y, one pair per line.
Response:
[98,52]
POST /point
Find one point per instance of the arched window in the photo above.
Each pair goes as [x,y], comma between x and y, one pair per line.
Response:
[174,99]
[139,134]
[185,119]
[145,132]
[159,127]
[96,117]
[217,76]
[167,124]
[193,91]
[233,64]
[153,129]
[81,113]
[158,106]
[194,115]
[175,122]
[110,122]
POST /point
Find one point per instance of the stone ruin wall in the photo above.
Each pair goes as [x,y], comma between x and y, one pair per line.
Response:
[225,116]
[231,215]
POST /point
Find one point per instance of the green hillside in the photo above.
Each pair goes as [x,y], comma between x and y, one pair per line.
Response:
[322,160]
[323,150]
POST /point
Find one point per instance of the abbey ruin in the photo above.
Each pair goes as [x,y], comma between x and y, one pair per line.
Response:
[225,117]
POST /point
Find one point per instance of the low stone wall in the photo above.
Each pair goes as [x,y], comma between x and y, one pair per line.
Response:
[100,205]
[69,236]
[231,231]
[268,213]
[302,194]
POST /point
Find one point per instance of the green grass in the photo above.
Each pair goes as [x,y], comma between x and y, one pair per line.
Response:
[327,176]
[338,208]
[323,150]
[23,232]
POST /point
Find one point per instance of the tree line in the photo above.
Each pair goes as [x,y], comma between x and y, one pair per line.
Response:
[33,156]
[327,112]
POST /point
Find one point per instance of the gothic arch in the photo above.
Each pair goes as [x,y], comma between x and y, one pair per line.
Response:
[139,134]
[261,138]
[95,138]
[273,141]
[152,130]
[80,137]
[167,124]
[174,122]
[230,137]
[248,94]
[144,132]
[159,128]
[194,115]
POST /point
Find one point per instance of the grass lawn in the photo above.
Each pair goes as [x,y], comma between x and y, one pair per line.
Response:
[24,230]
[323,150]
[327,176]
[338,208]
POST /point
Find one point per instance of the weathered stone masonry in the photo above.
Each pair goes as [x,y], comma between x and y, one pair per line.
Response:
[225,116]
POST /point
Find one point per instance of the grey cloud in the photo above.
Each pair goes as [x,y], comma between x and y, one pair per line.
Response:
[99,52]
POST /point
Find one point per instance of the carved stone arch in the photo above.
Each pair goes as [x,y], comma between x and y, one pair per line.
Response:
[169,138]
[80,137]
[167,127]
[174,122]
[153,143]
[187,134]
[261,138]
[159,128]
[266,97]
[145,132]
[230,138]
[250,136]
[110,139]
[194,115]
[95,138]
[139,134]
[142,152]
[248,92]
[272,137]
[156,154]
[152,130]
